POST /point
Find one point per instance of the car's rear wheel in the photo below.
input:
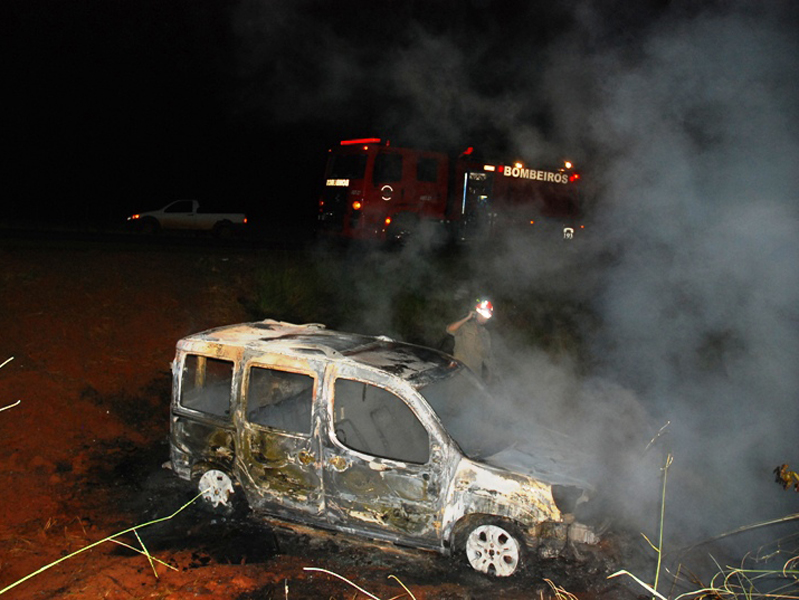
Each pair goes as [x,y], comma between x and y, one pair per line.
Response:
[218,492]
[493,547]
[223,230]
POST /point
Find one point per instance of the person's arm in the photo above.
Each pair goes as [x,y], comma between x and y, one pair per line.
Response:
[453,327]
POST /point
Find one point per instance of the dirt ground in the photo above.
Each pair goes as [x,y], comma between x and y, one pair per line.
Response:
[91,328]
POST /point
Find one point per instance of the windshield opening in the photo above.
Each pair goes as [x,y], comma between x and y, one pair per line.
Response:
[348,166]
[466,411]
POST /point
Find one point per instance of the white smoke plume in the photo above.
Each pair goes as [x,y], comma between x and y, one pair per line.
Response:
[690,129]
[700,305]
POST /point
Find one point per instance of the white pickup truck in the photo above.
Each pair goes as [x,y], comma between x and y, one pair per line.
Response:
[187,214]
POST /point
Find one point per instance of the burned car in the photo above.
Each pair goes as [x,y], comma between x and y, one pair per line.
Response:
[362,435]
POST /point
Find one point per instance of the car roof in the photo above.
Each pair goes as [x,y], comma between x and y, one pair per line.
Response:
[417,364]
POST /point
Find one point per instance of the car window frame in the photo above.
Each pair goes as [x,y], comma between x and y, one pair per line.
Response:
[414,401]
[227,420]
[245,389]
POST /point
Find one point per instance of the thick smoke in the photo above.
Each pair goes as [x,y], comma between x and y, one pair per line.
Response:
[690,129]
[422,74]
[700,306]
[691,133]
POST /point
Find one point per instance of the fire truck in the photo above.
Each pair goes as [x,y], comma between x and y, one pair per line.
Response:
[376,191]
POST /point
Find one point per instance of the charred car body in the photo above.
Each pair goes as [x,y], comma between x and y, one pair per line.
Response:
[362,435]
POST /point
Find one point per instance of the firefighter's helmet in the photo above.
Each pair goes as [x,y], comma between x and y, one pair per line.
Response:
[484,308]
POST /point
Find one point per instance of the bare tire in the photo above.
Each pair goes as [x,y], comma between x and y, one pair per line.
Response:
[218,493]
[494,549]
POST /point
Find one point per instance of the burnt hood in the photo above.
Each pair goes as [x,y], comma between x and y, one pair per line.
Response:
[547,455]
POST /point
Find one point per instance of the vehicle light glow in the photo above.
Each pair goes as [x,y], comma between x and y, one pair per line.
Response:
[360,141]
[134,217]
[338,183]
[356,205]
[388,221]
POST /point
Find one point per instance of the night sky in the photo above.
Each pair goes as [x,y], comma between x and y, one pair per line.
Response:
[122,106]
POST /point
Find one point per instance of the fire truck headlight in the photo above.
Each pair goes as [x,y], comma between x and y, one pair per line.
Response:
[356,205]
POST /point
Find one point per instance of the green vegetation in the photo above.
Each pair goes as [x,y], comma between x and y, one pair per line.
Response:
[413,299]
[776,577]
[290,288]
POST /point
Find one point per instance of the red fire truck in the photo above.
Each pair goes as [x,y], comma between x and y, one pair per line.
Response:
[374,190]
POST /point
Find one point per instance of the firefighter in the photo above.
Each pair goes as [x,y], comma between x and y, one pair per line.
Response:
[473,341]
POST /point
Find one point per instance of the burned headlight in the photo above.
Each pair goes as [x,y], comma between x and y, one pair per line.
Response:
[568,497]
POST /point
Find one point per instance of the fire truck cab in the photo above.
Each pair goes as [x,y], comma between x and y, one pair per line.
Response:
[373,190]
[370,185]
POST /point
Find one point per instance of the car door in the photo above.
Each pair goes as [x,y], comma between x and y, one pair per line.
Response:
[178,215]
[277,457]
[382,464]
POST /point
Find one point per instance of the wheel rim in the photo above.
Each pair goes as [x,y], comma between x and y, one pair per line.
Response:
[216,488]
[492,550]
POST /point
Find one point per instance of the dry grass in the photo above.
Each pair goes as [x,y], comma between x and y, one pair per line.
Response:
[111,538]
[735,583]
[761,575]
[357,587]
[12,405]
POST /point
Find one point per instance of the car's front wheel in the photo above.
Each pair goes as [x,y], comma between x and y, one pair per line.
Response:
[149,226]
[494,548]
